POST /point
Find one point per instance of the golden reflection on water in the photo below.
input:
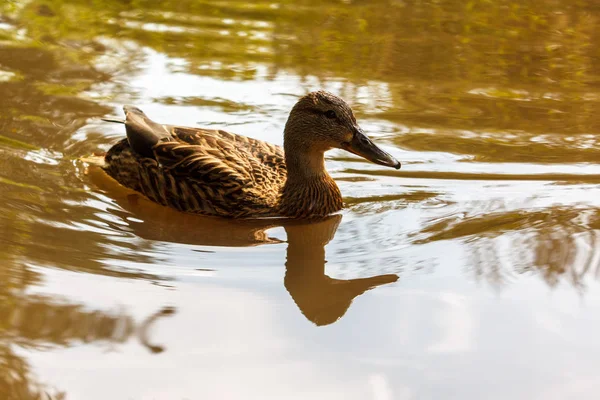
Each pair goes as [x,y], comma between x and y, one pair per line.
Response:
[491,107]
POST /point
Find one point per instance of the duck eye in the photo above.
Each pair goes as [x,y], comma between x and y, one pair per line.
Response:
[330,114]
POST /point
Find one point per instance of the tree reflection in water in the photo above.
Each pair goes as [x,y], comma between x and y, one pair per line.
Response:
[38,322]
[556,243]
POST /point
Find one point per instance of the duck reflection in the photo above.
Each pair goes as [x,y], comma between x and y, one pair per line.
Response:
[320,298]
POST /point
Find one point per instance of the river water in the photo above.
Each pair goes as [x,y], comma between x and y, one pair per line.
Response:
[470,273]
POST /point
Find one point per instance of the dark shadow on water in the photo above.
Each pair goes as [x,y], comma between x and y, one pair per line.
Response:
[321,299]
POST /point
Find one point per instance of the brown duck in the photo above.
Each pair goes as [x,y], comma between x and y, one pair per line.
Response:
[213,172]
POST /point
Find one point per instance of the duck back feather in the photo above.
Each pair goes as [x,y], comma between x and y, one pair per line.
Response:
[197,170]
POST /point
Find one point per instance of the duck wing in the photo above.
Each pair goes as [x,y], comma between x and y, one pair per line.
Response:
[270,154]
[220,155]
[199,170]
[208,163]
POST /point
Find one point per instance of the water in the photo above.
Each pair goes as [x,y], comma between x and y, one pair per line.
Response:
[470,273]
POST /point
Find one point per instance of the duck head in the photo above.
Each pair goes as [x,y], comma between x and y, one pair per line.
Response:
[321,121]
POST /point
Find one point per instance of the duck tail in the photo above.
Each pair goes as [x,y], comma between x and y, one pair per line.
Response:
[143,133]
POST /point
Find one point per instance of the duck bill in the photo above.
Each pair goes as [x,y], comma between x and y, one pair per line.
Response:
[362,146]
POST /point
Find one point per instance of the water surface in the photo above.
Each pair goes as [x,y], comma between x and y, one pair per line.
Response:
[470,273]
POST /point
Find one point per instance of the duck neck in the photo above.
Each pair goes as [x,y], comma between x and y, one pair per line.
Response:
[308,190]
[304,165]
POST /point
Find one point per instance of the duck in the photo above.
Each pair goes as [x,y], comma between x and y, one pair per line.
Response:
[218,173]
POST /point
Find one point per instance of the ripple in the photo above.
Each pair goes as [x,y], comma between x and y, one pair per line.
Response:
[571,178]
[507,146]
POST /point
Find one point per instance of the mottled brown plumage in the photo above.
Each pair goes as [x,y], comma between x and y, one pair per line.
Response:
[214,172]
